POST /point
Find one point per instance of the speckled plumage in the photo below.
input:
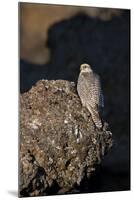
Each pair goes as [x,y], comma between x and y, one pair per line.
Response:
[90,93]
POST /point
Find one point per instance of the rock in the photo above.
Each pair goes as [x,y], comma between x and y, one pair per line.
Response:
[59,144]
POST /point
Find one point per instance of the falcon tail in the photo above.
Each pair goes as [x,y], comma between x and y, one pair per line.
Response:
[95,117]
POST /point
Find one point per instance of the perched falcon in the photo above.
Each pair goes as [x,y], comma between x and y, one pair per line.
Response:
[89,91]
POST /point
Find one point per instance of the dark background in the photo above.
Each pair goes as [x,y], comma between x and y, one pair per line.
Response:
[105,45]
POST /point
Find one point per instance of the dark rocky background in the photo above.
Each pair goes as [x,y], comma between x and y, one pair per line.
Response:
[105,45]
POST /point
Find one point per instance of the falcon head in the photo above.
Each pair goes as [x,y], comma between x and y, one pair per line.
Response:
[85,68]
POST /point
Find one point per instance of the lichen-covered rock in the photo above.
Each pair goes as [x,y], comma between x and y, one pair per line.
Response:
[59,144]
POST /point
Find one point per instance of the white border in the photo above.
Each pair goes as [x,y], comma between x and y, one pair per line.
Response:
[9,98]
[95,3]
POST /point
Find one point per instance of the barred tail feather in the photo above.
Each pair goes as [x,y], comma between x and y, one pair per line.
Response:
[95,117]
[97,120]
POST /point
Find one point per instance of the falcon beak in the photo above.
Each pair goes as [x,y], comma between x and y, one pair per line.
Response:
[81,68]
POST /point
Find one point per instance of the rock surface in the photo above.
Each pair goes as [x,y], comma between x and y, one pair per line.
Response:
[59,144]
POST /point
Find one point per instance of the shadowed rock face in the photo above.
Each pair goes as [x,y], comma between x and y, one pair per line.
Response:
[59,144]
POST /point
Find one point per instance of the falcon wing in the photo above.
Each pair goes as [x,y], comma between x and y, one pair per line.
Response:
[89,89]
[95,91]
[98,95]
